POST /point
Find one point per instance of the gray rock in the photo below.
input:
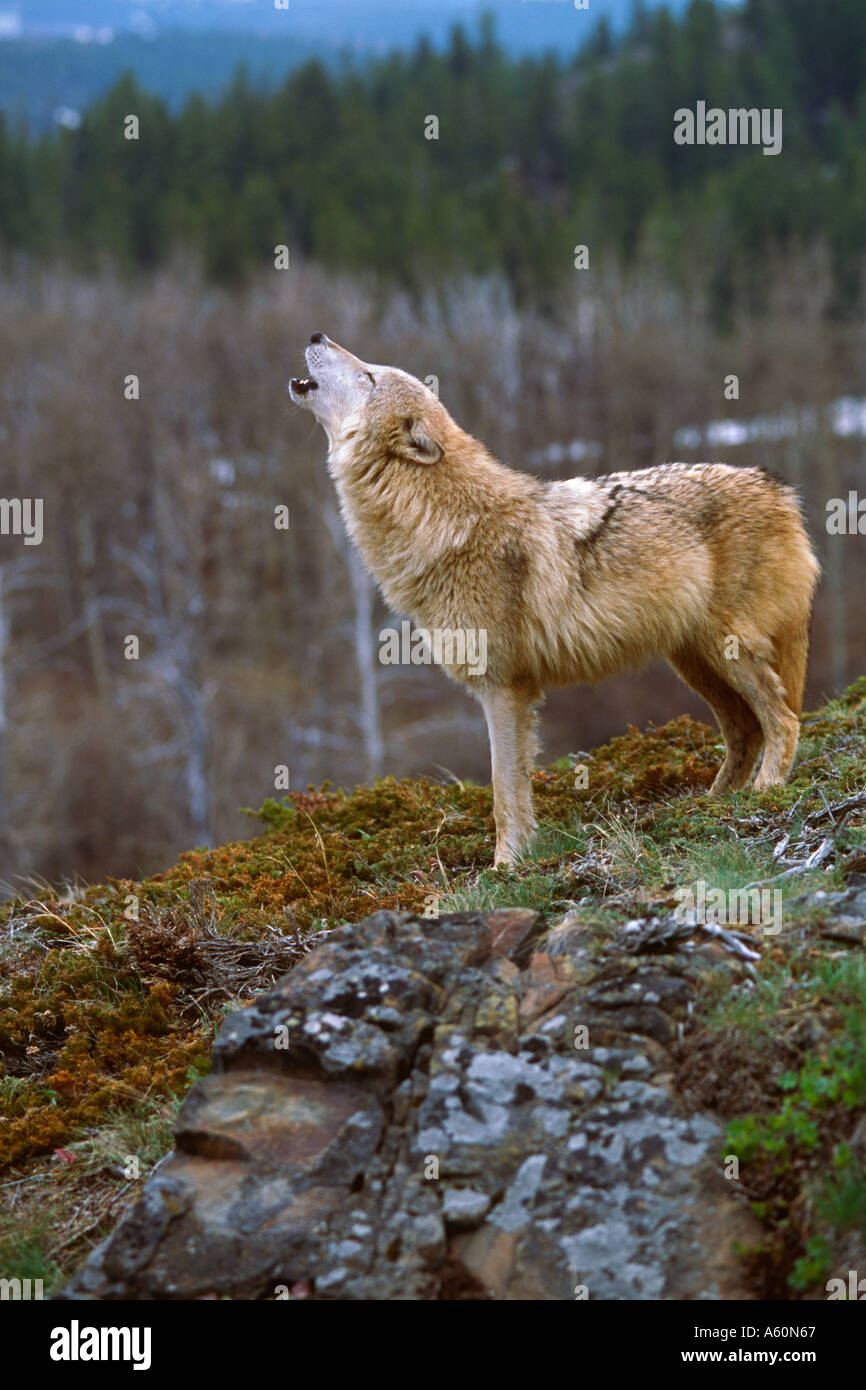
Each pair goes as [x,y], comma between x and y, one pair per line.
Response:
[464,1206]
[400,1117]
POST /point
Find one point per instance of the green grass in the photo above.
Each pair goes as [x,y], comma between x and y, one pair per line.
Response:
[817,1103]
[102,1041]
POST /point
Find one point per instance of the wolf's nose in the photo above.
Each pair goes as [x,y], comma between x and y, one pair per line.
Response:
[319,338]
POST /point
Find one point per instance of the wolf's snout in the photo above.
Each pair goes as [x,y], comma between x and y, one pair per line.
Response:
[336,383]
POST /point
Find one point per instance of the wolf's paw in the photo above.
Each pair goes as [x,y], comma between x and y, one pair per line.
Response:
[765,780]
[511,856]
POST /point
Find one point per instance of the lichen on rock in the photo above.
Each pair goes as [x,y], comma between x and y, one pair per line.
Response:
[407,1140]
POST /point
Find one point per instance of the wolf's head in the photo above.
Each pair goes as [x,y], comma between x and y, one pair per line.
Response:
[352,399]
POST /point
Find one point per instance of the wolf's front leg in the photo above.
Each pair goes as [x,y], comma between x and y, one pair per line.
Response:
[510,725]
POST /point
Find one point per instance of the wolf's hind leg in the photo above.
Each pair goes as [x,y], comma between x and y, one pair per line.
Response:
[756,678]
[737,720]
[792,654]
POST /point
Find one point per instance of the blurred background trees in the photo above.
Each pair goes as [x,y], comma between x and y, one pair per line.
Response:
[454,258]
[530,150]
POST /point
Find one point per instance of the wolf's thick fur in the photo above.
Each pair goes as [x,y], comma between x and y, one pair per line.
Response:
[704,564]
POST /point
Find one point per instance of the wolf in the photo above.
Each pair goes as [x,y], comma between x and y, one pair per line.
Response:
[704,564]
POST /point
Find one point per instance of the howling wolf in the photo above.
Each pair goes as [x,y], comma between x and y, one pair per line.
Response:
[706,565]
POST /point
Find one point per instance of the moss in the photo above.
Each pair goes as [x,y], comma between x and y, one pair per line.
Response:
[786,1062]
[97,1011]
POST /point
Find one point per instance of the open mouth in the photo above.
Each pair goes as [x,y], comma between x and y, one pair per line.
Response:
[302,385]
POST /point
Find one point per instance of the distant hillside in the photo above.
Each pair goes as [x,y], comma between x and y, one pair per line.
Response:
[61,55]
[401,21]
[533,155]
[44,79]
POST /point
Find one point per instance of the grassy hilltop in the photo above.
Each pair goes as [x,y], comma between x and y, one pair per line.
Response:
[110,994]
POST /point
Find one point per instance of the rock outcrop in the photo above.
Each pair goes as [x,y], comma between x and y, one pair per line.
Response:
[448,1108]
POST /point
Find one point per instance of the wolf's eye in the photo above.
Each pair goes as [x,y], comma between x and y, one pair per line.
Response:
[369,376]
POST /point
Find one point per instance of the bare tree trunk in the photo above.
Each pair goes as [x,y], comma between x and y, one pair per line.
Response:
[198,792]
[366,651]
[95,634]
[366,659]
[177,663]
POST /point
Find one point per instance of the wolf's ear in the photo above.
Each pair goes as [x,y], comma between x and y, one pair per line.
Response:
[418,444]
